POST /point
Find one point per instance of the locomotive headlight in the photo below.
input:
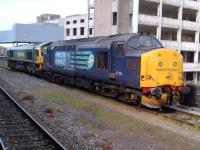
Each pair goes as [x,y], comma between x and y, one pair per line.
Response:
[174,64]
[160,64]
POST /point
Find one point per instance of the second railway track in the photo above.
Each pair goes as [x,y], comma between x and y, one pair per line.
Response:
[18,130]
[183,115]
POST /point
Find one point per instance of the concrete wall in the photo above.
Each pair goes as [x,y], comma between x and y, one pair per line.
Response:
[123,16]
[103,17]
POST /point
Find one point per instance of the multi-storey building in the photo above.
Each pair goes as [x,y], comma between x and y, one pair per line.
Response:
[175,22]
[76,26]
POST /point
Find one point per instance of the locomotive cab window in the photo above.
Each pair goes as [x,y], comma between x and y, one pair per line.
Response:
[134,43]
[120,49]
[29,56]
[102,60]
[143,42]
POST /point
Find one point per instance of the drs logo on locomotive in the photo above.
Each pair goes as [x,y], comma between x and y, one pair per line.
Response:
[71,60]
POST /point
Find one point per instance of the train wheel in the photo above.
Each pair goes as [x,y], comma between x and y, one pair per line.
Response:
[136,100]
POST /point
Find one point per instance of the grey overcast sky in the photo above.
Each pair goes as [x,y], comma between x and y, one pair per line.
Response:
[26,11]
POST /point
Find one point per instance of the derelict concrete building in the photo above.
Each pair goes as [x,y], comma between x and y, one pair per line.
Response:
[175,22]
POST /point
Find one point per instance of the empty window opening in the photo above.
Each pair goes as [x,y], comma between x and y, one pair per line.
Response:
[114,21]
[170,11]
[148,8]
[169,34]
[102,60]
[188,36]
[188,56]
[147,29]
[198,77]
[189,76]
[189,14]
[67,22]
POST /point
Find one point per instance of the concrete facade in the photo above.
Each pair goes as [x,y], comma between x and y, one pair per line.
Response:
[102,9]
[32,33]
[175,22]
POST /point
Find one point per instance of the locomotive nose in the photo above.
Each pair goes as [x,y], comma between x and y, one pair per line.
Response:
[161,67]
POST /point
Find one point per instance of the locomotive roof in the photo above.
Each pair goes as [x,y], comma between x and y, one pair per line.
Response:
[103,40]
[22,47]
[42,44]
[29,46]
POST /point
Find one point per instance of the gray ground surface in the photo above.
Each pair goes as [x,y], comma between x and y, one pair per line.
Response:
[81,120]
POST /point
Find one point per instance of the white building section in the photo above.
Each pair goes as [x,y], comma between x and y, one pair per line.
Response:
[76,26]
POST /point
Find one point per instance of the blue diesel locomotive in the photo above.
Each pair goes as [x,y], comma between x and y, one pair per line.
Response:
[131,67]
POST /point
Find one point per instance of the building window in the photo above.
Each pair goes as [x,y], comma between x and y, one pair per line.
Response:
[67,32]
[82,29]
[74,21]
[82,21]
[91,31]
[74,31]
[114,17]
[67,22]
[189,76]
[102,60]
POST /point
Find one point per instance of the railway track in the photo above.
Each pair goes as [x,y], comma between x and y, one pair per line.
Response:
[184,115]
[18,130]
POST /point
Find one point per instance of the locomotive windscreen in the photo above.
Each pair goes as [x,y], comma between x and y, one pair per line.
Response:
[143,42]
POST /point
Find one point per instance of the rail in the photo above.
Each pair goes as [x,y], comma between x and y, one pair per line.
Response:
[42,130]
